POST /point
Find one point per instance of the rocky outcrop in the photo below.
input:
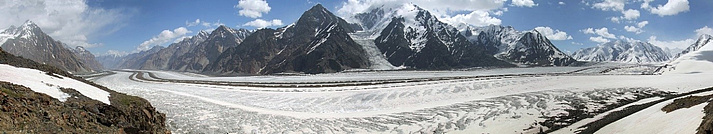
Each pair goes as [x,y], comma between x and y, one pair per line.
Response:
[317,43]
[25,111]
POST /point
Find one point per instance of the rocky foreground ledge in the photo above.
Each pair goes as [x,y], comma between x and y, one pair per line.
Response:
[23,110]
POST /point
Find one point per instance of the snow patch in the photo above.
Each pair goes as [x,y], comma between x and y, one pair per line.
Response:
[40,82]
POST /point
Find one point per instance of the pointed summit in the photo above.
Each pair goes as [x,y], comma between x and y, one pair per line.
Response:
[702,41]
[318,17]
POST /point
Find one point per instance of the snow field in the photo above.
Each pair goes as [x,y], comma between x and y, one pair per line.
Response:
[41,82]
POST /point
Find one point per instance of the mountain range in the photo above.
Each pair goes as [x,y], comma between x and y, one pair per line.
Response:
[623,51]
[29,41]
[389,36]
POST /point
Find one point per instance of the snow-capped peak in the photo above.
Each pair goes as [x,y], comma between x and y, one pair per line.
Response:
[623,51]
[26,31]
[702,41]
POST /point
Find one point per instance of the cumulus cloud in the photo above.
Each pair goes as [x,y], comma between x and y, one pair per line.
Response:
[599,39]
[704,30]
[610,5]
[203,23]
[523,3]
[636,29]
[602,32]
[260,23]
[679,44]
[477,18]
[70,21]
[672,7]
[164,37]
[474,12]
[631,14]
[252,8]
[553,34]
[561,3]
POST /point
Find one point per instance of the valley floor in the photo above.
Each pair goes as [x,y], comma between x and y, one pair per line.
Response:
[513,100]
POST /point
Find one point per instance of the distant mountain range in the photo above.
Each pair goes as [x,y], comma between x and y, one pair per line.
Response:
[623,51]
[29,41]
[385,37]
[390,36]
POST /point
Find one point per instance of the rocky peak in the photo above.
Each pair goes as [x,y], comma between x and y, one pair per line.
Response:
[702,40]
[317,19]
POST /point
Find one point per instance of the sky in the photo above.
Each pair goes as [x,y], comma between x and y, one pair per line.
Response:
[127,26]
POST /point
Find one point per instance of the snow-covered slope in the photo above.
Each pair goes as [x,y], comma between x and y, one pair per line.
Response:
[526,48]
[410,36]
[43,82]
[702,40]
[623,51]
[697,61]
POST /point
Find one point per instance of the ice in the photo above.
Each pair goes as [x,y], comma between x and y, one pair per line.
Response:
[507,104]
[41,82]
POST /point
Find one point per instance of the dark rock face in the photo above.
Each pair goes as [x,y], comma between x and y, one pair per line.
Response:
[528,48]
[199,56]
[164,57]
[533,49]
[317,43]
[30,42]
[427,43]
[87,58]
[25,111]
[136,60]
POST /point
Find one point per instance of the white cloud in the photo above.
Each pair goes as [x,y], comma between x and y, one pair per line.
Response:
[260,23]
[576,43]
[599,39]
[622,37]
[680,44]
[561,3]
[252,8]
[636,29]
[602,32]
[642,24]
[615,19]
[553,34]
[70,21]
[476,18]
[613,5]
[523,3]
[704,30]
[631,14]
[206,24]
[672,7]
[164,37]
[479,12]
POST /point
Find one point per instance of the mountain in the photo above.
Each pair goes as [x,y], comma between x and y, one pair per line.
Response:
[196,58]
[110,61]
[410,36]
[623,51]
[697,58]
[162,59]
[30,42]
[702,41]
[527,48]
[136,60]
[317,43]
[87,58]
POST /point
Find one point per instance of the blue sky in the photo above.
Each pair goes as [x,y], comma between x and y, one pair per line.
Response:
[122,26]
